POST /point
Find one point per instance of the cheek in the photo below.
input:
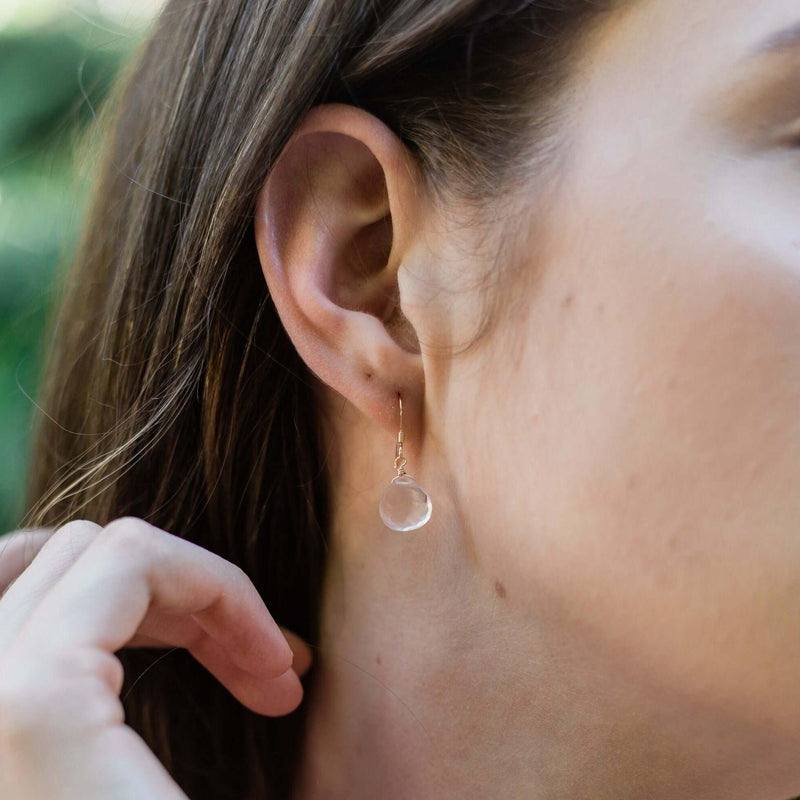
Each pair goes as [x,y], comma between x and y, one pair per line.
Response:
[639,463]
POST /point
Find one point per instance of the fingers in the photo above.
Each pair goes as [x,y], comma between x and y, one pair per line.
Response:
[158,629]
[131,567]
[49,556]
[169,630]
[17,550]
[271,696]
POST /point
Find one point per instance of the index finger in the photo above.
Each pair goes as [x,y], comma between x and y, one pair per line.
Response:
[132,565]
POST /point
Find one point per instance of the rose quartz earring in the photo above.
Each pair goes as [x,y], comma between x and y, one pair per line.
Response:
[404,505]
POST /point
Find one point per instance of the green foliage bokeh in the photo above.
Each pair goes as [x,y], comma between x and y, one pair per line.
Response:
[53,79]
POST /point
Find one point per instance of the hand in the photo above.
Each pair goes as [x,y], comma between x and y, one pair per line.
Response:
[89,591]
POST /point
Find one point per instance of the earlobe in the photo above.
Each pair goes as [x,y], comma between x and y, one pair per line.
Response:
[333,223]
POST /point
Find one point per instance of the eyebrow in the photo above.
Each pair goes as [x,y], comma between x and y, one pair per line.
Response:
[779,40]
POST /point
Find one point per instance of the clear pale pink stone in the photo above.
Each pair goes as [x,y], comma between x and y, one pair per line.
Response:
[404,505]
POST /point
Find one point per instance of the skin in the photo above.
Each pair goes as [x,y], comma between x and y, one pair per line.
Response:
[605,602]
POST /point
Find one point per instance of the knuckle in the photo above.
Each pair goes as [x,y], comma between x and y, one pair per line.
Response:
[22,542]
[95,663]
[76,524]
[108,669]
[72,533]
[131,537]
[237,581]
[238,574]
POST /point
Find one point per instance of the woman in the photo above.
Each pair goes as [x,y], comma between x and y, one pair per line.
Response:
[565,235]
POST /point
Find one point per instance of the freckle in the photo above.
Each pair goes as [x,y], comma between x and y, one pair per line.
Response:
[671,383]
[499,589]
[567,301]
[632,481]
[601,307]
[378,659]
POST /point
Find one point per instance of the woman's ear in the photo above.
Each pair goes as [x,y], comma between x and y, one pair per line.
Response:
[334,221]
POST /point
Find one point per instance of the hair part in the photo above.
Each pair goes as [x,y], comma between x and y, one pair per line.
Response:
[172,391]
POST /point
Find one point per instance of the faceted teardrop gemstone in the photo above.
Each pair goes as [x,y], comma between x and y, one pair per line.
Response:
[404,505]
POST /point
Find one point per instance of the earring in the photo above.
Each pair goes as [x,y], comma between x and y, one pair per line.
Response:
[404,505]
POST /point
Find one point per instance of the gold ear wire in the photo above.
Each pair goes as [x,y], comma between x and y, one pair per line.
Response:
[399,459]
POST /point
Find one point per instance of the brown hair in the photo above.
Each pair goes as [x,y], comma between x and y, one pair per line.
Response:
[172,392]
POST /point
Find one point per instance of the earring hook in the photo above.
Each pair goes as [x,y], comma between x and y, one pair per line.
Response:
[399,459]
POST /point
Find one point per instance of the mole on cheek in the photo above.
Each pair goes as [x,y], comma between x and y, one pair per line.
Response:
[499,589]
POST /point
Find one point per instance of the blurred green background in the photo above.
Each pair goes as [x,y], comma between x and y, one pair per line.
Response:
[57,63]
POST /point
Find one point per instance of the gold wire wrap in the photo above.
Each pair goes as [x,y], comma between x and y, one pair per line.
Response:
[399,459]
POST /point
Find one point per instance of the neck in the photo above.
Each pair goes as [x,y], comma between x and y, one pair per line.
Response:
[432,681]
[431,694]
